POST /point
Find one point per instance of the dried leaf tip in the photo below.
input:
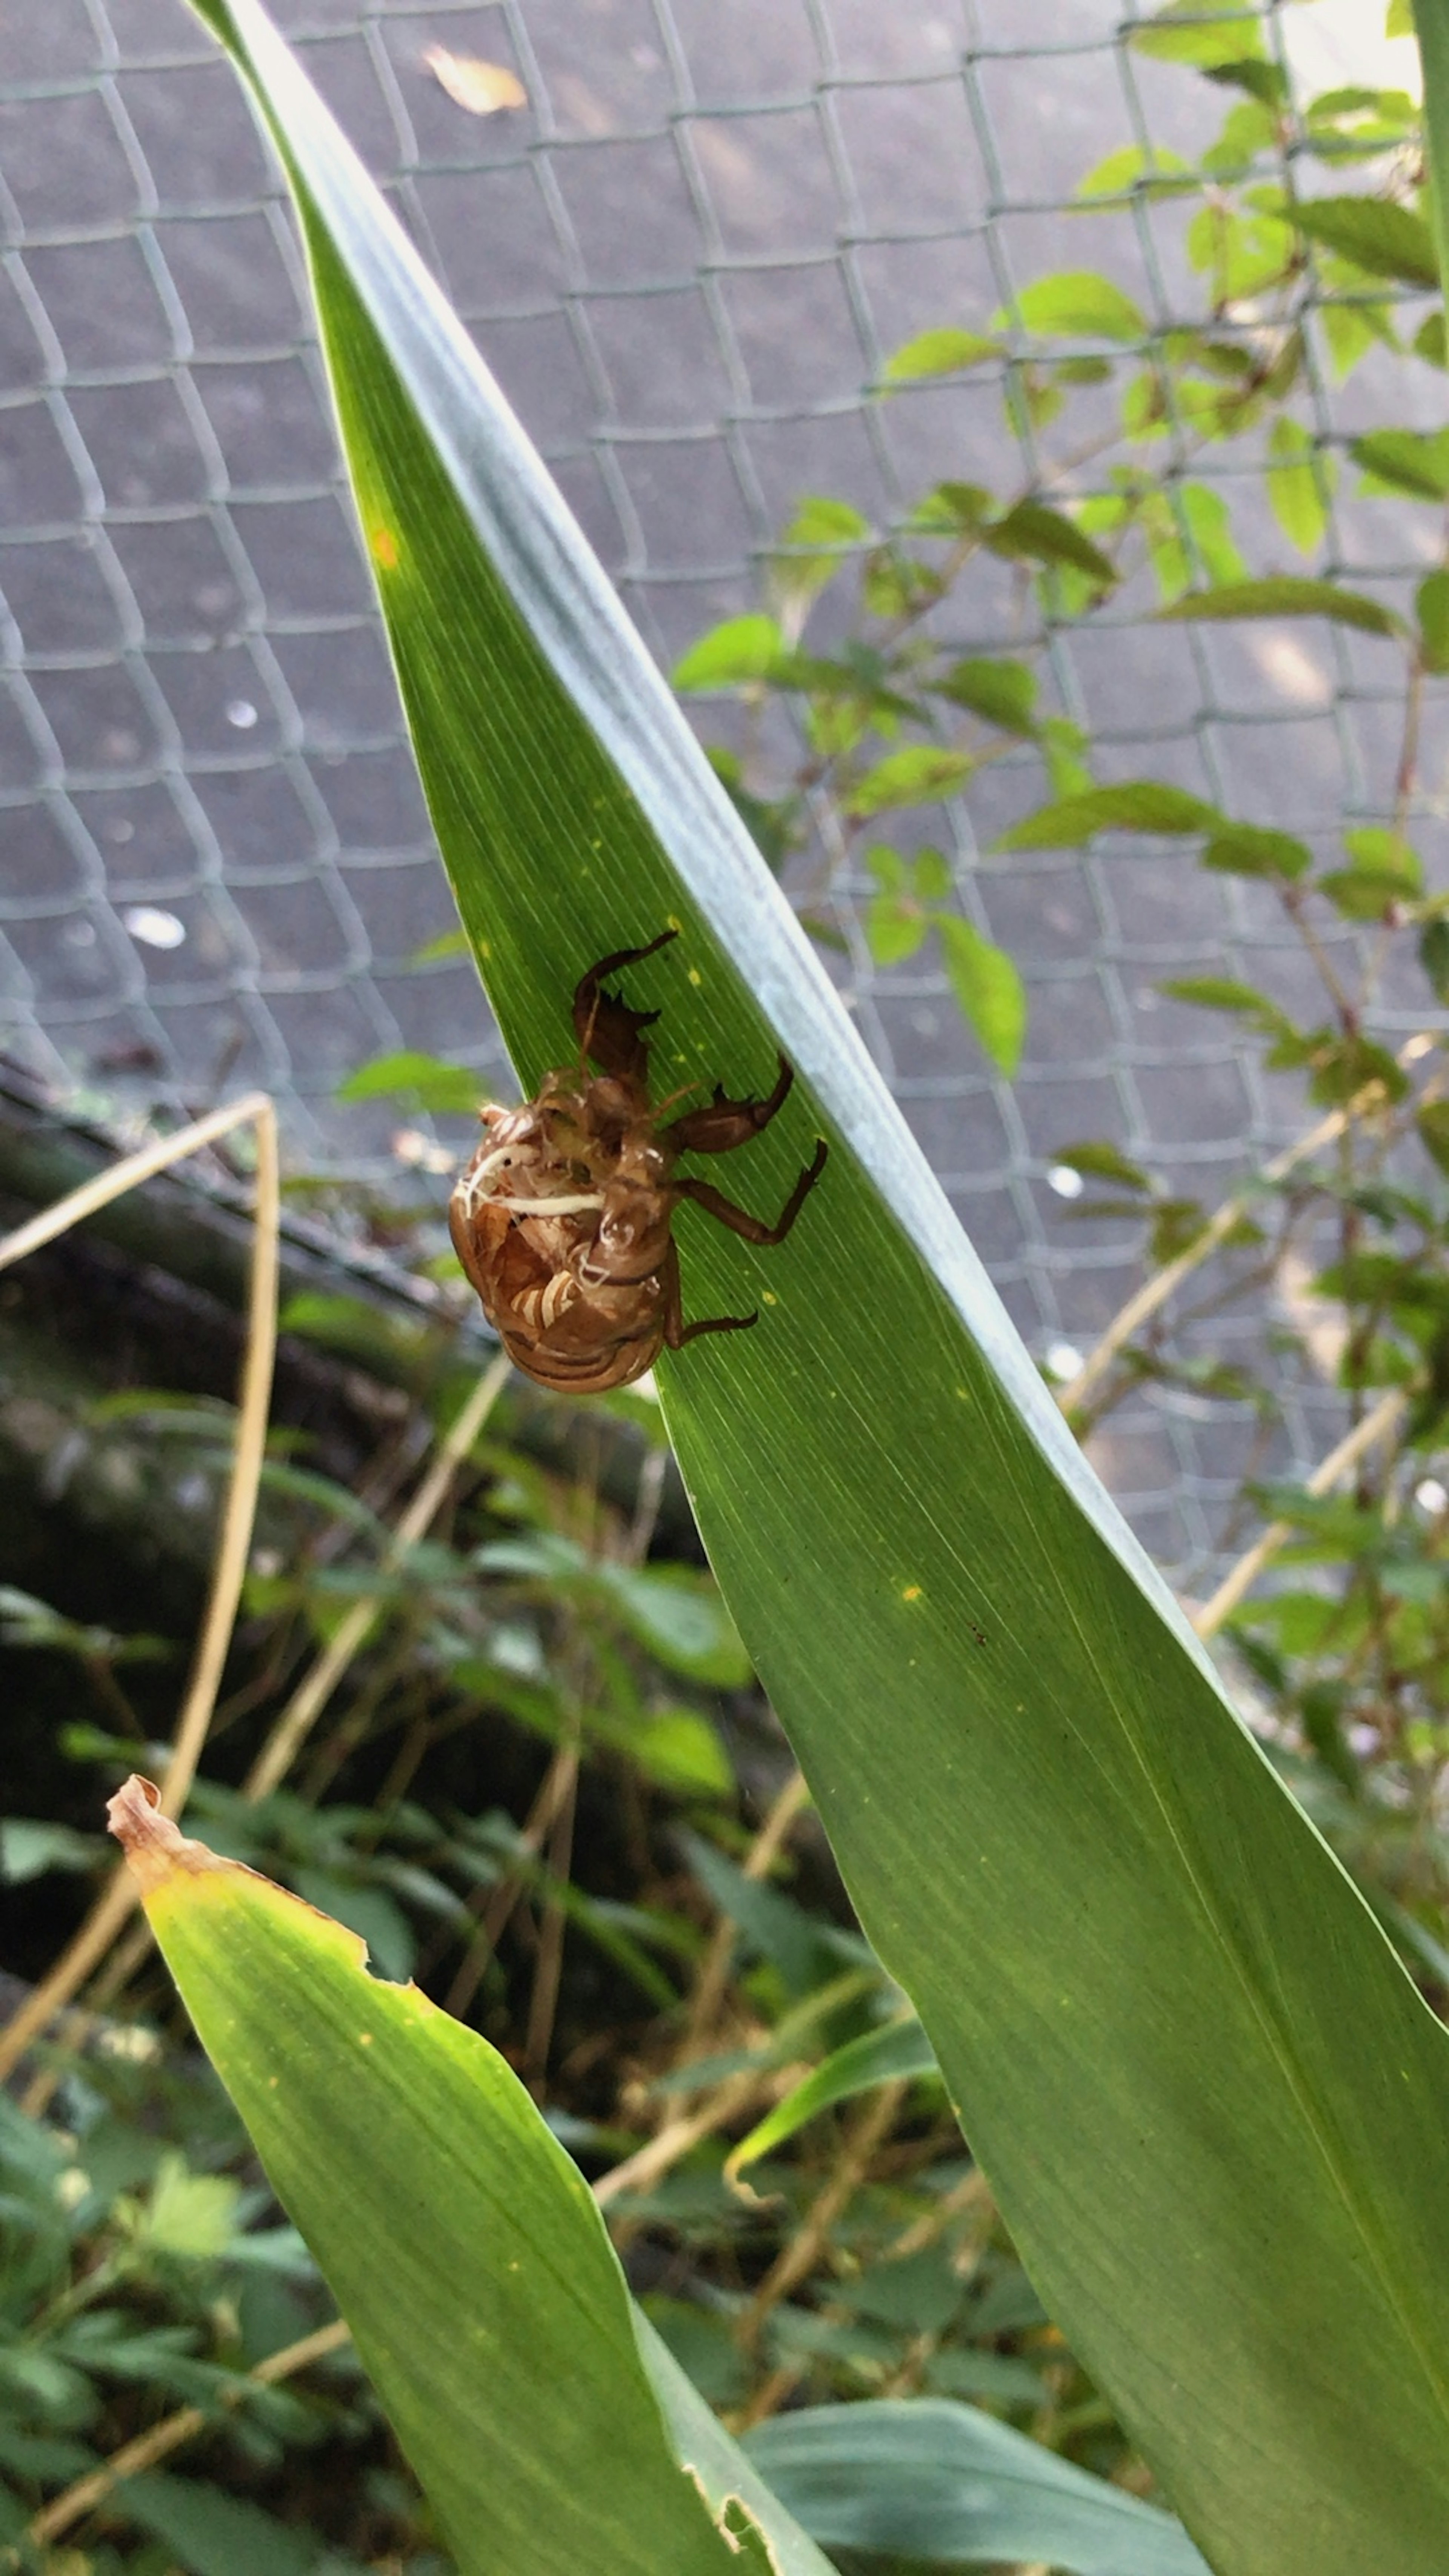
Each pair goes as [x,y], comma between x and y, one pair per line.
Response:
[153,1845]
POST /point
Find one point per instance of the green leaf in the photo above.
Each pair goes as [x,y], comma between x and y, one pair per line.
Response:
[1103,1162]
[1288,595]
[1002,692]
[1384,871]
[1253,850]
[1050,537]
[932,877]
[1295,489]
[924,2478]
[741,650]
[1432,1122]
[895,926]
[1431,607]
[989,991]
[823,534]
[426,1079]
[1135,170]
[680,1616]
[938,353]
[1210,2103]
[1434,956]
[952,510]
[1220,993]
[1382,239]
[678,1748]
[1138,805]
[1075,304]
[821,521]
[923,775]
[456,2235]
[1185,32]
[211,2534]
[29,1848]
[1415,461]
[898,2049]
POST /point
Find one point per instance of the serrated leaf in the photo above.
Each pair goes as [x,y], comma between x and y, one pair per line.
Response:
[740,650]
[1383,239]
[1075,304]
[1048,536]
[895,926]
[1384,871]
[1414,461]
[1220,993]
[1294,488]
[942,352]
[922,775]
[1138,805]
[1253,850]
[988,989]
[932,876]
[952,510]
[1135,170]
[1287,595]
[410,1075]
[1002,692]
[1184,32]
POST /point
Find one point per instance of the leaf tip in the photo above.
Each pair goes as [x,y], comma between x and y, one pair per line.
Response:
[153,1845]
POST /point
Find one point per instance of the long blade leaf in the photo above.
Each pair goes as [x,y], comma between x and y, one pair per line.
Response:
[459,2240]
[1212,2105]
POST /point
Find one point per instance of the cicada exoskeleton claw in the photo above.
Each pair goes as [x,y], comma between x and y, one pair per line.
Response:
[563,1219]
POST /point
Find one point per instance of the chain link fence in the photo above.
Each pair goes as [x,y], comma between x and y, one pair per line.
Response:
[684,259]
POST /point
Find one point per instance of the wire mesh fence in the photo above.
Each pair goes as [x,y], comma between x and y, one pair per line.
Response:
[686,259]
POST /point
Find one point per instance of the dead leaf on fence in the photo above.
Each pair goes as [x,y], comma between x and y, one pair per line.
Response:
[482,88]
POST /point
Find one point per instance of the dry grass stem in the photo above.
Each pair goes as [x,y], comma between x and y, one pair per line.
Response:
[1155,1291]
[1374,1427]
[764,1851]
[174,2430]
[867,2132]
[310,1698]
[111,1909]
[655,2158]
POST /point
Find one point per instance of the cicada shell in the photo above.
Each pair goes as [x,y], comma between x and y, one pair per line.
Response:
[563,1218]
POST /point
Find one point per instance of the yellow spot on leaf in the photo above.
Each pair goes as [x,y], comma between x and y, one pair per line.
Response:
[695,976]
[768,1297]
[384,549]
[911,1592]
[364,2039]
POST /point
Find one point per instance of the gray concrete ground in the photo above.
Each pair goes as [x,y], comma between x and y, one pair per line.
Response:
[684,259]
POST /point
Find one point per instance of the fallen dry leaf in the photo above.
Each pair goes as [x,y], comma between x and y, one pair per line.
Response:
[482,88]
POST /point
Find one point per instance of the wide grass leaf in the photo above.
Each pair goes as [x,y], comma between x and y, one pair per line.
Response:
[932,2480]
[1214,2109]
[459,2240]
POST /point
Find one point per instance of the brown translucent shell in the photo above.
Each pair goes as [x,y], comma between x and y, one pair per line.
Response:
[562,1220]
